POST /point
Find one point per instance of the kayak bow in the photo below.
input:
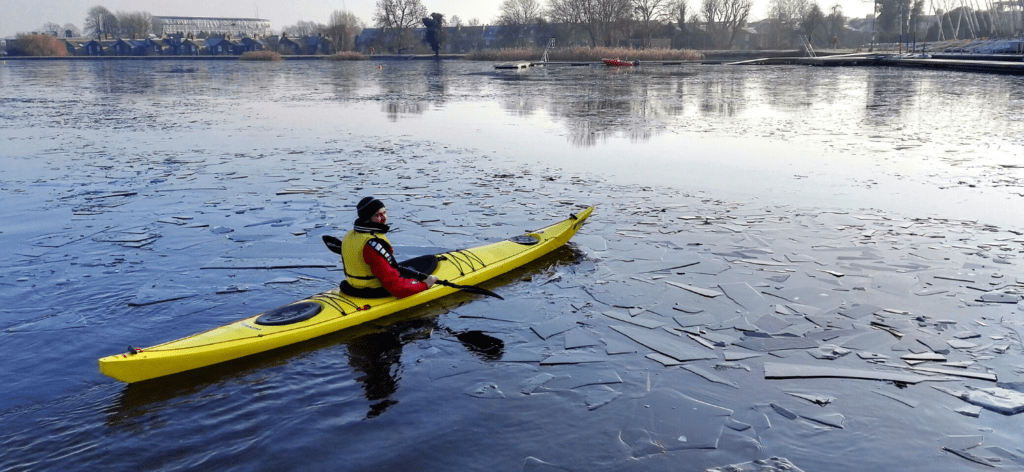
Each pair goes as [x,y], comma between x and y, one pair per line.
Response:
[332,311]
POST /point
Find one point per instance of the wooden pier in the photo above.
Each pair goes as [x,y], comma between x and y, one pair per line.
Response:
[988,63]
[998,64]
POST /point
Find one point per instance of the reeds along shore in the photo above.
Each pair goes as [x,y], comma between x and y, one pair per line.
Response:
[586,54]
[260,56]
[273,56]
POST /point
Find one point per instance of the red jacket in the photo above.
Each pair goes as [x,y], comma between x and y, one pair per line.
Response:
[393,282]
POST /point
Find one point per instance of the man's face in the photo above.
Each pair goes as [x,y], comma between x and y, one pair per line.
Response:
[381,217]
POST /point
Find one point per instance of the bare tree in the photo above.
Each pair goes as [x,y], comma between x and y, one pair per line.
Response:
[736,14]
[649,14]
[397,18]
[711,13]
[784,15]
[611,18]
[602,20]
[74,31]
[813,19]
[724,18]
[678,11]
[515,17]
[100,22]
[51,28]
[344,28]
[570,13]
[834,23]
[134,24]
[305,28]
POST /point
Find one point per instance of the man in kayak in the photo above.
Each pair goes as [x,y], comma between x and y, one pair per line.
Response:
[369,259]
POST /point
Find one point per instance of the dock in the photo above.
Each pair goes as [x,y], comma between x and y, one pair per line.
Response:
[526,65]
[514,65]
[1012,64]
[997,64]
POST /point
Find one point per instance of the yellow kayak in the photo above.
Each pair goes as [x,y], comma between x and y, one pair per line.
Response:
[332,311]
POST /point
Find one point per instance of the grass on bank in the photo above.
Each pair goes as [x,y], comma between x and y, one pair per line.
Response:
[346,56]
[585,54]
[260,56]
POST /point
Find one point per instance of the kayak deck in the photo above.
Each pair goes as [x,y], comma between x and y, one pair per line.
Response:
[335,311]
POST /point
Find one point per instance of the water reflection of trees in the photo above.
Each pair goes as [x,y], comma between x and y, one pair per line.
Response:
[412,89]
[599,107]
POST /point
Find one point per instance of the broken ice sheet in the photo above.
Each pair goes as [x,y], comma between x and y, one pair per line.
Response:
[665,343]
[744,295]
[834,420]
[961,442]
[971,410]
[1001,400]
[999,297]
[769,344]
[783,411]
[487,390]
[793,371]
[820,400]
[580,337]
[160,293]
[558,325]
[895,284]
[637,320]
[442,368]
[906,401]
[530,385]
[583,378]
[704,292]
[666,420]
[573,357]
[739,356]
[276,263]
[771,464]
[599,396]
[771,324]
[710,376]
[695,320]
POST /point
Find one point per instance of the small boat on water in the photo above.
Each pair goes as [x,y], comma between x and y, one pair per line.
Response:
[620,63]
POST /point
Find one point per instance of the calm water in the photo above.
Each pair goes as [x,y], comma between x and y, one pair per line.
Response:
[122,180]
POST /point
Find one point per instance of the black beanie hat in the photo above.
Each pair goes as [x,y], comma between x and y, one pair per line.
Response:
[367,207]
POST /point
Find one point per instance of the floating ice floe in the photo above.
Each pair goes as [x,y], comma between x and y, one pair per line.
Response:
[1001,400]
[771,464]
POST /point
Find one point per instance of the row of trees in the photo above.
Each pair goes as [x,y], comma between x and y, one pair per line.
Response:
[716,22]
[702,23]
[343,28]
[597,22]
[101,23]
[806,18]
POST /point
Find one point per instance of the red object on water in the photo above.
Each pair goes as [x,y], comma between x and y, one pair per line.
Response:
[620,63]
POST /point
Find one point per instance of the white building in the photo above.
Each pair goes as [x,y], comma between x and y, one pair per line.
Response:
[188,24]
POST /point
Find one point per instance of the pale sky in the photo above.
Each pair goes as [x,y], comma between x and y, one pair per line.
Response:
[22,16]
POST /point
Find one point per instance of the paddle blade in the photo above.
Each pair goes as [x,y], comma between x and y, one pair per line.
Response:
[333,244]
[471,289]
